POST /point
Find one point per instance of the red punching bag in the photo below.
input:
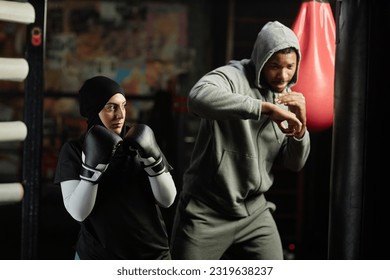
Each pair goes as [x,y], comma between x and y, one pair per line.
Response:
[316,31]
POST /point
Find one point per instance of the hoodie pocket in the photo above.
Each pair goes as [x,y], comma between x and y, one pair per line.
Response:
[237,175]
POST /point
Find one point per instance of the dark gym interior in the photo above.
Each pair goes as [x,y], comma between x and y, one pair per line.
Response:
[335,208]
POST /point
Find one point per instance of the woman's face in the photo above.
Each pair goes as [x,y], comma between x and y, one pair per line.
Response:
[113,114]
[279,70]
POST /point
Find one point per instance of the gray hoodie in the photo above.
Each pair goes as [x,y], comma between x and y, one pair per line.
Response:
[237,146]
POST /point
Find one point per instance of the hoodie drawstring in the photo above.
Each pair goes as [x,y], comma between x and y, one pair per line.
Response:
[272,122]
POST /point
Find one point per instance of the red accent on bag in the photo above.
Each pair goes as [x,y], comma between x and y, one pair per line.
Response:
[316,31]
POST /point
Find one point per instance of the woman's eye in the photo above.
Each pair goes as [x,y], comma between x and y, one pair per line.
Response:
[114,107]
[110,107]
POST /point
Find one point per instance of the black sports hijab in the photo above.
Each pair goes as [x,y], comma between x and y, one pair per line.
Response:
[94,94]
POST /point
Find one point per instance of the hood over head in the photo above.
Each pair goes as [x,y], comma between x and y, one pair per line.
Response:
[273,37]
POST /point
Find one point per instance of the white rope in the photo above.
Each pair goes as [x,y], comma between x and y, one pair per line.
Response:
[22,12]
[13,69]
[13,131]
[11,193]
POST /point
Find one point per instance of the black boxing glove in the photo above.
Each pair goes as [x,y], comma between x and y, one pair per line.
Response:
[99,146]
[140,138]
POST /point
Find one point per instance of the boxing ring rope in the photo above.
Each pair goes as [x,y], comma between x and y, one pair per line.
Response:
[14,69]
[12,131]
[21,12]
[11,193]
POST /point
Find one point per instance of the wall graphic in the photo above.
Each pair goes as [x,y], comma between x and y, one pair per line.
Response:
[142,47]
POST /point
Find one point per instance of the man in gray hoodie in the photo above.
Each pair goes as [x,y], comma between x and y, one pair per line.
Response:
[251,120]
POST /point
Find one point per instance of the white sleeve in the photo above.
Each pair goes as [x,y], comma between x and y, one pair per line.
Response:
[79,197]
[163,188]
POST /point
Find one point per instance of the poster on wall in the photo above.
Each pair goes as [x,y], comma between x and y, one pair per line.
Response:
[140,46]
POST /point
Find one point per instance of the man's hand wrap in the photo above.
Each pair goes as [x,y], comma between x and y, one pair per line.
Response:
[140,137]
[99,146]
